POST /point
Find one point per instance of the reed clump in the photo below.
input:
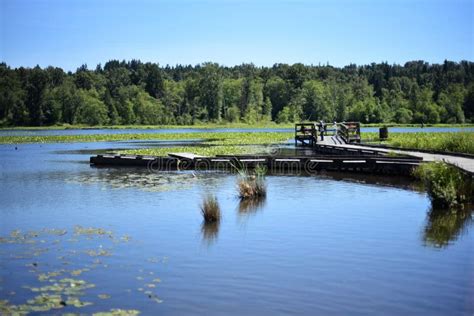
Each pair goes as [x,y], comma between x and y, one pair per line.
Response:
[251,186]
[447,186]
[210,209]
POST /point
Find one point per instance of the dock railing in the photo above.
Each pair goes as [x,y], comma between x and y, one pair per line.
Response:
[349,131]
[306,134]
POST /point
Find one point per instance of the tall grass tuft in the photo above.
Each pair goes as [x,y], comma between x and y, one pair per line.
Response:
[252,186]
[210,209]
[447,186]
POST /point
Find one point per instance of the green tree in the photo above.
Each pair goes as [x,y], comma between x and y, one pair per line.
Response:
[277,91]
[451,101]
[231,96]
[468,104]
[12,107]
[91,110]
[36,85]
[153,81]
[210,91]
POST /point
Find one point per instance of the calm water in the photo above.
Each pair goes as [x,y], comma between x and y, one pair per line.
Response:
[44,132]
[321,244]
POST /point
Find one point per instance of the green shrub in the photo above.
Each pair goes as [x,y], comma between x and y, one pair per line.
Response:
[447,186]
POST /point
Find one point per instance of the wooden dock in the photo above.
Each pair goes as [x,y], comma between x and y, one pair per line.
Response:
[274,164]
[334,147]
[311,134]
[464,163]
[344,139]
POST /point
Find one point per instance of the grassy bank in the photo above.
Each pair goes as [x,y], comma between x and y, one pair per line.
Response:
[455,142]
[416,125]
[447,186]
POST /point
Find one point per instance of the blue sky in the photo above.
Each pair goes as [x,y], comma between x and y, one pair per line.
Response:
[68,33]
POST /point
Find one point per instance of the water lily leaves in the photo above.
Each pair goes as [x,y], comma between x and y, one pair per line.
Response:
[46,276]
[118,312]
[45,302]
[15,234]
[76,302]
[54,231]
[58,287]
[91,231]
[98,253]
[79,271]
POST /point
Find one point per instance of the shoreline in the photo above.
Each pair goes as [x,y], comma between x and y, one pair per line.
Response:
[212,126]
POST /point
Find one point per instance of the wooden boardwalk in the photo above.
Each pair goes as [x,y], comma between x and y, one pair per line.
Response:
[376,164]
[339,150]
[464,163]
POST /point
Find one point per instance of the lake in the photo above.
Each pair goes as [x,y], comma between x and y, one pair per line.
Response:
[72,234]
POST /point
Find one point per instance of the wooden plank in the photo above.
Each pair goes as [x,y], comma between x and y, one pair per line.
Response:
[189,156]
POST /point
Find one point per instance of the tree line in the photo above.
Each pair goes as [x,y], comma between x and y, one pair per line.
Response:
[134,92]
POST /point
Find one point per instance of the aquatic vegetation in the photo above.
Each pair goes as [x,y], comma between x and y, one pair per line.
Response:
[221,144]
[455,142]
[252,185]
[210,209]
[90,231]
[137,178]
[57,285]
[226,138]
[204,150]
[118,312]
[447,186]
[211,143]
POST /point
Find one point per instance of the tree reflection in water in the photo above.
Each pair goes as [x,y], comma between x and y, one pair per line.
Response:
[443,226]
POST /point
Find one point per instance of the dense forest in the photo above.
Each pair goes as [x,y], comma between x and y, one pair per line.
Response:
[134,92]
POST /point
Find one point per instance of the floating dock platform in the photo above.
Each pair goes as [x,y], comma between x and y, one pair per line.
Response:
[273,163]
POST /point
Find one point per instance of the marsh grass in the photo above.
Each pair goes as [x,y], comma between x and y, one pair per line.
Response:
[251,185]
[447,186]
[210,209]
[454,142]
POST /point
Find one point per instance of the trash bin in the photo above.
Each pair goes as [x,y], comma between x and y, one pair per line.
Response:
[383,133]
